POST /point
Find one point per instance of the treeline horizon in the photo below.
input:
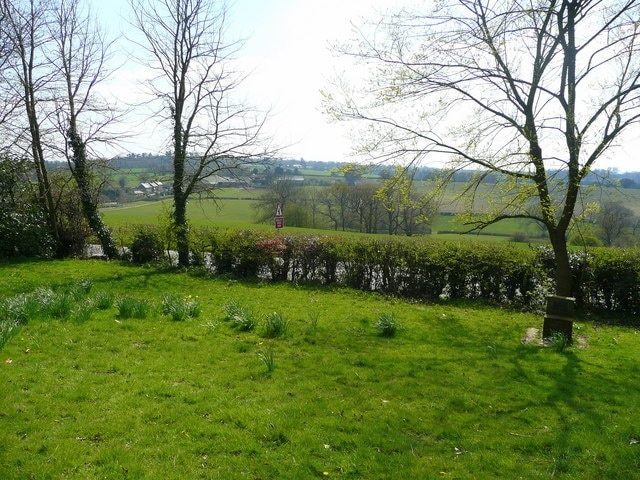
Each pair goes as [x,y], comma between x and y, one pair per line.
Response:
[162,164]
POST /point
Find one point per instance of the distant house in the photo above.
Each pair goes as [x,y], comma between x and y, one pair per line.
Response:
[295,179]
[149,189]
[219,181]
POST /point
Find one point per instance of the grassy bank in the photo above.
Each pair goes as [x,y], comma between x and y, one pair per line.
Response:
[455,393]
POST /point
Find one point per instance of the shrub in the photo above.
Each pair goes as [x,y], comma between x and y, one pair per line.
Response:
[24,234]
[146,247]
[420,268]
[387,325]
[521,237]
[23,228]
[73,229]
[585,241]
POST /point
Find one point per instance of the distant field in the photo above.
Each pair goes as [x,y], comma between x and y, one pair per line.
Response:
[239,214]
[201,213]
[234,208]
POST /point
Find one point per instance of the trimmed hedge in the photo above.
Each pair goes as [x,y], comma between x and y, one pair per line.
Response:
[606,279]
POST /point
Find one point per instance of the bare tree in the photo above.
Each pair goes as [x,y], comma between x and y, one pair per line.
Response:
[6,52]
[281,192]
[194,81]
[57,61]
[337,202]
[367,206]
[25,78]
[312,204]
[534,90]
[78,56]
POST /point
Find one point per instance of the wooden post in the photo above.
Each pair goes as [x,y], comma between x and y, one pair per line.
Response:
[559,317]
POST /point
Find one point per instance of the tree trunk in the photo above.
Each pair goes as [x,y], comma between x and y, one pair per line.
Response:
[180,195]
[44,187]
[181,228]
[89,203]
[564,282]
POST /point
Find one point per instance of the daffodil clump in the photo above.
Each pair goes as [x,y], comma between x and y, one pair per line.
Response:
[181,308]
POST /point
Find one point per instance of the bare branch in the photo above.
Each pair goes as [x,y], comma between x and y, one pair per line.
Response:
[212,130]
[526,89]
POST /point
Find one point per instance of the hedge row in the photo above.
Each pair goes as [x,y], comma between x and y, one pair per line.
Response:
[607,280]
[416,269]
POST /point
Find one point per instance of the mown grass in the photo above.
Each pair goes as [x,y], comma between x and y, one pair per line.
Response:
[453,394]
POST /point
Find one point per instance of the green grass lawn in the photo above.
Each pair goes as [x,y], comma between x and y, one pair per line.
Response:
[454,394]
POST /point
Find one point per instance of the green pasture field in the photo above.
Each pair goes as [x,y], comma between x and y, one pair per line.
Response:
[225,212]
[88,392]
[235,210]
[324,175]
[630,198]
[133,176]
[591,194]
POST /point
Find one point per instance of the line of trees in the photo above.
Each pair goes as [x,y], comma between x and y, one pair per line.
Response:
[393,206]
[54,58]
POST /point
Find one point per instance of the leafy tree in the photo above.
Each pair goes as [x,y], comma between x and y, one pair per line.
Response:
[614,221]
[352,172]
[628,183]
[194,83]
[407,211]
[536,91]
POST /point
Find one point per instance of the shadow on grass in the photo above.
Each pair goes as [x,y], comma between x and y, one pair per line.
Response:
[564,393]
[578,405]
